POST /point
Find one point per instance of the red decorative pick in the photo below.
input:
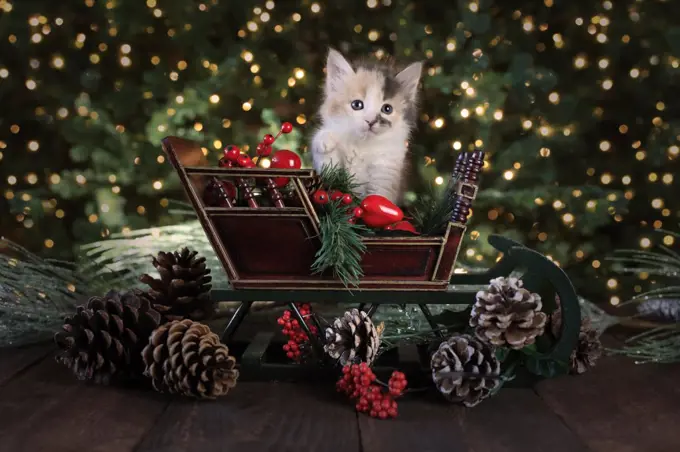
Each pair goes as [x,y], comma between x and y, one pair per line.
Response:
[402,226]
[285,159]
[265,147]
[380,211]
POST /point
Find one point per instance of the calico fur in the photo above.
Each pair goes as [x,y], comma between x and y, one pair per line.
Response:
[370,142]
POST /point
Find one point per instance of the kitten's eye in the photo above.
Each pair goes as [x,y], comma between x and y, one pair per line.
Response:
[387,109]
[357,105]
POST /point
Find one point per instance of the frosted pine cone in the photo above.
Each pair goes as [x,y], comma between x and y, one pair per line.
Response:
[465,370]
[508,314]
[353,337]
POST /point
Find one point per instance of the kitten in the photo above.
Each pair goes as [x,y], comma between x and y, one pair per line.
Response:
[368,113]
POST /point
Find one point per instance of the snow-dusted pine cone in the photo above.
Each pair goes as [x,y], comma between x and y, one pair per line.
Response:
[508,314]
[465,369]
[352,337]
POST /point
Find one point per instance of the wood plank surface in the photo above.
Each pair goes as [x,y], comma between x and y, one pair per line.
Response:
[513,420]
[620,406]
[258,417]
[14,360]
[46,409]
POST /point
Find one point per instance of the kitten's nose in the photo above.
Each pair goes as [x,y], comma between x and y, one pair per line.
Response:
[371,123]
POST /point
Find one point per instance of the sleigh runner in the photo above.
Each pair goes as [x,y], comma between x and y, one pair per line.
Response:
[276,266]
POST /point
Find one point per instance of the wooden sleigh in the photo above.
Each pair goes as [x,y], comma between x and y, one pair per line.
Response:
[267,239]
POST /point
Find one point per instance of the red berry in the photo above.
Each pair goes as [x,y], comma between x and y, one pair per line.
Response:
[224,163]
[392,412]
[269,139]
[280,321]
[231,152]
[286,127]
[290,355]
[336,194]
[245,161]
[347,199]
[382,414]
[352,220]
[386,403]
[263,150]
[373,413]
[357,212]
[321,197]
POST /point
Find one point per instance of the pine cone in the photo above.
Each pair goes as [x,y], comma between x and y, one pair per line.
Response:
[465,369]
[508,314]
[103,340]
[183,290]
[588,348]
[353,337]
[185,357]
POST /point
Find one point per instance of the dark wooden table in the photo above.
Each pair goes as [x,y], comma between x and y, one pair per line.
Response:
[618,407]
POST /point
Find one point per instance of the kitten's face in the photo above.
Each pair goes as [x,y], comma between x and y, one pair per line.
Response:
[370,100]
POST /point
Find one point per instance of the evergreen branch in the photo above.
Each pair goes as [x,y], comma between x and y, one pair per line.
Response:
[433,213]
[341,246]
[335,177]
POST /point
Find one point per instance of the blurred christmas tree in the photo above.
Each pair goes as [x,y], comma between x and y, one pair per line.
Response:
[574,102]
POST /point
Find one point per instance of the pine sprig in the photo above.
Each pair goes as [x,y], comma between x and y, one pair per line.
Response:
[341,246]
[335,177]
[432,214]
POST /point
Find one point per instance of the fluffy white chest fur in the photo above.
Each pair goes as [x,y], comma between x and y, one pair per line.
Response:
[367,116]
[377,163]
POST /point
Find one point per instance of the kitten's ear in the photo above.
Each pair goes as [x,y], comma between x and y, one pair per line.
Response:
[409,78]
[337,68]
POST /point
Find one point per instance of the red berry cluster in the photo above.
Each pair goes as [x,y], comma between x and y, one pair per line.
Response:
[358,382]
[297,338]
[234,157]
[397,383]
[322,197]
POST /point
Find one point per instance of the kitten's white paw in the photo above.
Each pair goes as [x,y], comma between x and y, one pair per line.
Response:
[329,142]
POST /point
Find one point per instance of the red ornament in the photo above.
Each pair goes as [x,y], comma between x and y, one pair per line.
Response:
[286,127]
[285,159]
[245,161]
[320,197]
[380,211]
[402,226]
[263,150]
[336,194]
[347,199]
[232,153]
[268,139]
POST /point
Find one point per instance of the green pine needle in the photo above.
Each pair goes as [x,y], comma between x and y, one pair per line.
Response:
[341,246]
[335,177]
[433,212]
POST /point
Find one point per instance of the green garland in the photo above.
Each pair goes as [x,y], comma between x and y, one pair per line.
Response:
[433,212]
[341,246]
